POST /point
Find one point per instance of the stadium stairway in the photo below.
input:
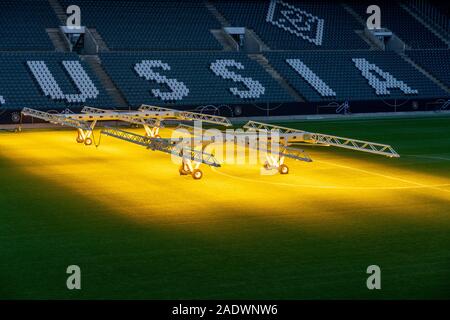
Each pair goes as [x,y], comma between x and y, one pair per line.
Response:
[95,63]
[59,11]
[373,45]
[433,61]
[426,73]
[402,23]
[278,78]
[224,22]
[353,14]
[425,24]
[262,44]
[102,46]
[57,39]
[430,17]
[225,40]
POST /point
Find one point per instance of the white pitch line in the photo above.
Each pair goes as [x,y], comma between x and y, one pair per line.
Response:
[428,157]
[385,176]
[327,187]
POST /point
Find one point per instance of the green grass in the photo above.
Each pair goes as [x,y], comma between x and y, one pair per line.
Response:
[45,227]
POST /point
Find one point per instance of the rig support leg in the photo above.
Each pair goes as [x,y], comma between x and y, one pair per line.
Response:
[152,132]
[85,136]
[276,162]
[191,167]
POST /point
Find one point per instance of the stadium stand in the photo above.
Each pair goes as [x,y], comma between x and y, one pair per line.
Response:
[437,62]
[48,80]
[191,78]
[163,52]
[405,26]
[23,25]
[294,25]
[352,75]
[150,25]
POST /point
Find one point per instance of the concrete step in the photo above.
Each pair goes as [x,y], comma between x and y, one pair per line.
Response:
[276,76]
[354,14]
[426,73]
[360,19]
[373,46]
[59,11]
[57,39]
[95,63]
[425,24]
[444,32]
[223,21]
[262,44]
[227,43]
[98,38]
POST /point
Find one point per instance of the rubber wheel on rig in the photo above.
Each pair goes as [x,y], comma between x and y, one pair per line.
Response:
[197,174]
[80,140]
[88,141]
[182,171]
[283,169]
[157,136]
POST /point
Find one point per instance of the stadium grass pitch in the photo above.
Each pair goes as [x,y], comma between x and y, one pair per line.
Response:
[139,230]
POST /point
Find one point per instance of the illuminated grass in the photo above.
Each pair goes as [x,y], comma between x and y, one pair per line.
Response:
[139,230]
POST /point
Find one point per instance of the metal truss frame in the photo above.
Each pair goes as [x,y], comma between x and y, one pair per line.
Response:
[191,158]
[192,151]
[290,136]
[274,159]
[150,117]
[187,115]
[56,119]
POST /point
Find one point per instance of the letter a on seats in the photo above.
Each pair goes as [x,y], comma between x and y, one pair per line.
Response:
[220,68]
[2,100]
[381,87]
[51,88]
[178,89]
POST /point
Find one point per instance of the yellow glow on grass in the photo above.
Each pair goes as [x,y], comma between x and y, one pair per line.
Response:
[146,186]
